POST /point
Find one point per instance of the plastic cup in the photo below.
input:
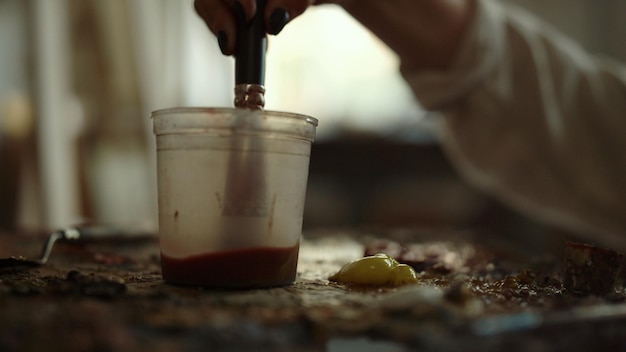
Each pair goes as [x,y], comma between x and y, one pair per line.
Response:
[231,191]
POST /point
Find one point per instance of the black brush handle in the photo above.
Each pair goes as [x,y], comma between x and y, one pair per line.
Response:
[251,46]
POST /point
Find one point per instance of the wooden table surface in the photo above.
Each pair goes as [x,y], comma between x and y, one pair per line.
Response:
[110,297]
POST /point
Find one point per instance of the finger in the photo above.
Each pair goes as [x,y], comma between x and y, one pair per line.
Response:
[279,12]
[219,17]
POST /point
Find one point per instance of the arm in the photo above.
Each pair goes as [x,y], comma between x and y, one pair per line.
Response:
[528,115]
[532,118]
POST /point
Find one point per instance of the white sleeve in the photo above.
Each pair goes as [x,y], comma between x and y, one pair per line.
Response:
[532,118]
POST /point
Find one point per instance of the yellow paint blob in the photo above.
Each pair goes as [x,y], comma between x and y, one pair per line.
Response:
[378,270]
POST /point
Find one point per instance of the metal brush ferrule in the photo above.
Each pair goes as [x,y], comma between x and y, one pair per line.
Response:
[250,96]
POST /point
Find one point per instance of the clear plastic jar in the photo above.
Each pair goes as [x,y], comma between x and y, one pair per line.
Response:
[231,190]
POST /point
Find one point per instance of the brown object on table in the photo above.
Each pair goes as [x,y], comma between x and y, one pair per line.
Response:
[590,270]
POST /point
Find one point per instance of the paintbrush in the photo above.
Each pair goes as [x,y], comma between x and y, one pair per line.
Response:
[245,192]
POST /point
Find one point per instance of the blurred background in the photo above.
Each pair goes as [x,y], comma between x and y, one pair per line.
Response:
[79,78]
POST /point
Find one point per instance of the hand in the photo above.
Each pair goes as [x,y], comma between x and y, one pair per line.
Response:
[219,16]
[424,33]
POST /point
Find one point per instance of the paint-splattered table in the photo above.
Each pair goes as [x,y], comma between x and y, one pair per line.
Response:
[111,297]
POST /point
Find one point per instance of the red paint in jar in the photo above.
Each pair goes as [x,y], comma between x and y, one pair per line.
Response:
[241,268]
